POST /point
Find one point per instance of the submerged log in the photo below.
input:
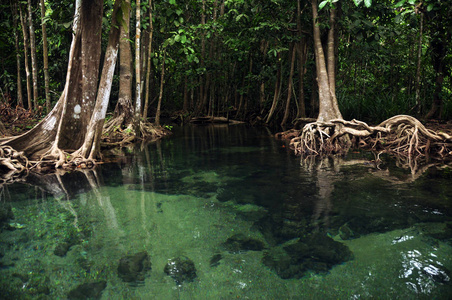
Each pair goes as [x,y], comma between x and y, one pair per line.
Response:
[216,120]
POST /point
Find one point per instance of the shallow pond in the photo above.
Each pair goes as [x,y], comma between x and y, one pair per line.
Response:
[220,212]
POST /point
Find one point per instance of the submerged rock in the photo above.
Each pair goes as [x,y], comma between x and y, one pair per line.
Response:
[438,231]
[88,290]
[215,260]
[133,268]
[240,242]
[181,269]
[6,214]
[318,253]
[280,261]
[346,233]
[437,273]
[61,249]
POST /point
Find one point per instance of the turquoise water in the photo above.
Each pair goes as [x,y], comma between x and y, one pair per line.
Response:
[228,213]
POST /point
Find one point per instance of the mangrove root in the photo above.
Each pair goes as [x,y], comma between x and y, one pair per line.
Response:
[13,164]
[401,135]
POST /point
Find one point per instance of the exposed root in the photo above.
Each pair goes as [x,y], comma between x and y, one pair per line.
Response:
[13,164]
[401,135]
[79,162]
[115,134]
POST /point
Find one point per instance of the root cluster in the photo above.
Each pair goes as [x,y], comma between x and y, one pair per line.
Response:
[401,135]
[116,134]
[13,164]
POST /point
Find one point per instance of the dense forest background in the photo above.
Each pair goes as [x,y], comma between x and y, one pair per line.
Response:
[249,60]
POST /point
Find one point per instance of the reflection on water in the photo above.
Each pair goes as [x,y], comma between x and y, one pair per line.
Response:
[222,212]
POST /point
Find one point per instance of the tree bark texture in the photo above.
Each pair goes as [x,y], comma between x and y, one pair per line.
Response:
[34,60]
[124,107]
[64,128]
[20,101]
[26,62]
[202,84]
[302,56]
[91,145]
[277,90]
[162,82]
[289,87]
[148,71]
[137,68]
[45,57]
[328,107]
[439,52]
[418,65]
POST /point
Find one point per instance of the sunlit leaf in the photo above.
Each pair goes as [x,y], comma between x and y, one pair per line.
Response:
[322,4]
[67,24]
[367,3]
[400,3]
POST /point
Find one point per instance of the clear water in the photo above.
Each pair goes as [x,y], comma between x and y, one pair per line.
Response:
[256,221]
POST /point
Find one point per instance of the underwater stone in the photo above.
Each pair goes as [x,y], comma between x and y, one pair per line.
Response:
[133,268]
[88,290]
[346,233]
[215,260]
[438,273]
[280,261]
[181,269]
[6,214]
[240,242]
[61,249]
[318,253]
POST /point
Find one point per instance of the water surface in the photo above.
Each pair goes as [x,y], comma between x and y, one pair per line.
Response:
[248,218]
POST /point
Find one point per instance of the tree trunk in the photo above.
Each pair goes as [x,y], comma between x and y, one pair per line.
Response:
[91,144]
[328,107]
[289,88]
[242,103]
[20,101]
[418,66]
[162,81]
[27,64]
[45,56]
[263,48]
[65,127]
[302,56]
[202,86]
[331,50]
[148,71]
[137,68]
[124,107]
[277,90]
[439,52]
[34,60]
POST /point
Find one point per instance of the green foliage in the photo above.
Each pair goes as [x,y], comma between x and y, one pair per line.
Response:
[245,42]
